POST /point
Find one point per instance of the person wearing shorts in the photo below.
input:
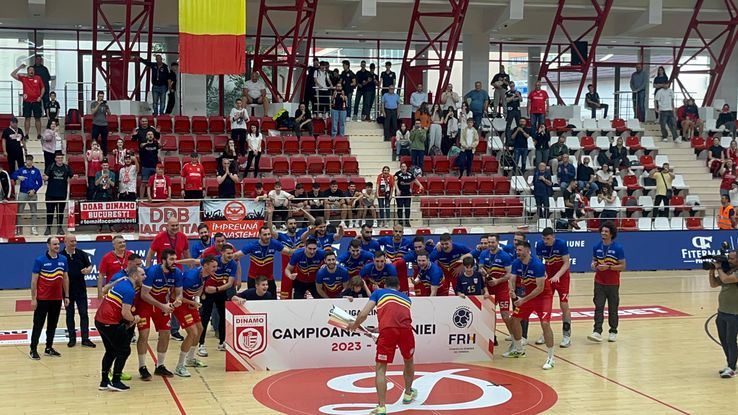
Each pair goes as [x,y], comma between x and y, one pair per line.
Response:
[33,92]
[395,331]
[495,265]
[537,298]
[555,255]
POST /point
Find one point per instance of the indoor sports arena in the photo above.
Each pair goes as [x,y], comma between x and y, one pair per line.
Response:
[344,207]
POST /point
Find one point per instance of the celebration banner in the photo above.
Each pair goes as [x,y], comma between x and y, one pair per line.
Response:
[107,213]
[235,218]
[153,216]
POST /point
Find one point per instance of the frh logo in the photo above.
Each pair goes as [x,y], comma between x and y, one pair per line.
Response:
[250,334]
[463,317]
[465,339]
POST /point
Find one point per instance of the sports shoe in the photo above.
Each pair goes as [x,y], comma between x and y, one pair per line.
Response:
[177,336]
[59,230]
[195,363]
[514,354]
[34,231]
[379,410]
[123,376]
[595,337]
[409,397]
[50,351]
[524,341]
[723,369]
[508,338]
[727,373]
[549,364]
[182,371]
[72,342]
[566,342]
[133,340]
[34,355]
[161,370]
[221,347]
[88,343]
[613,337]
[541,340]
[144,372]
[201,351]
[118,386]
[103,385]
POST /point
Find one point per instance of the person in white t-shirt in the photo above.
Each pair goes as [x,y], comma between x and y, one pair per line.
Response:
[255,141]
[239,121]
[366,202]
[255,92]
[604,175]
[664,101]
[281,201]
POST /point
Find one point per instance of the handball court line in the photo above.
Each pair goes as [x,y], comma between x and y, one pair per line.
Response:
[613,381]
[169,385]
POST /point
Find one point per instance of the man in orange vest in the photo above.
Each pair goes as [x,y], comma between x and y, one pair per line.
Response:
[727,219]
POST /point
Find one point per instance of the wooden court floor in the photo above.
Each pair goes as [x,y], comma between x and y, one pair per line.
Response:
[658,365]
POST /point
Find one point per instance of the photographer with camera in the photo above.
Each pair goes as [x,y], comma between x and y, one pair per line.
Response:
[723,274]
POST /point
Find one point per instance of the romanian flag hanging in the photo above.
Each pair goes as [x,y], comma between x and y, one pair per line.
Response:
[212,37]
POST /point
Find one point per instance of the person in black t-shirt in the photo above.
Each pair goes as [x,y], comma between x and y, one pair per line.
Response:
[79,265]
[143,129]
[53,108]
[172,94]
[512,104]
[592,100]
[387,78]
[404,180]
[356,289]
[334,202]
[227,178]
[57,178]
[370,92]
[259,292]
[500,83]
[13,136]
[304,120]
[348,82]
[362,77]
[148,155]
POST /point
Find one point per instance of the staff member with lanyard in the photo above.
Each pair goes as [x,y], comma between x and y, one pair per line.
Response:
[79,265]
[114,320]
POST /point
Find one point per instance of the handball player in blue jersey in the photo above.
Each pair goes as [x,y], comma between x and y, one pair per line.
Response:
[261,253]
[448,256]
[368,243]
[355,259]
[291,238]
[429,275]
[375,272]
[324,238]
[482,246]
[397,245]
[303,269]
[395,331]
[555,255]
[332,278]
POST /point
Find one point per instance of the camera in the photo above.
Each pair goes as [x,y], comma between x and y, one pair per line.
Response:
[710,262]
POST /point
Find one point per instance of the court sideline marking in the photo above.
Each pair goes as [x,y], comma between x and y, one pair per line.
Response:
[169,386]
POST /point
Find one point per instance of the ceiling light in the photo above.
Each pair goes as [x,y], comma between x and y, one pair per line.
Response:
[606,57]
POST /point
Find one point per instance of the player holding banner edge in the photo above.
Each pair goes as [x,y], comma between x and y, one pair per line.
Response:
[395,330]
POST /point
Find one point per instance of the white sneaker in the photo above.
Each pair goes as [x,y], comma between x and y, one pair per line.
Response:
[727,373]
[514,354]
[549,364]
[195,363]
[201,351]
[182,371]
[723,369]
[524,341]
[566,342]
[133,340]
[508,338]
[34,231]
[664,139]
[595,337]
[613,337]
[541,340]
[221,347]
[343,224]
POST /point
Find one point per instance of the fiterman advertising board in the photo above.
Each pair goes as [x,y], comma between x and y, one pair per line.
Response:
[235,218]
[107,213]
[280,335]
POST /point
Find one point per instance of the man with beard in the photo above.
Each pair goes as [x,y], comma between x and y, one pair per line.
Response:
[355,259]
[292,239]
[204,242]
[448,255]
[303,269]
[430,276]
[495,264]
[261,254]
[332,278]
[375,272]
[324,238]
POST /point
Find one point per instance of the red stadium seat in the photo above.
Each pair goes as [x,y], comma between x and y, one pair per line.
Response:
[112,123]
[559,124]
[423,231]
[77,164]
[325,145]
[452,186]
[216,124]
[476,165]
[323,181]
[631,182]
[633,142]
[165,124]
[446,208]
[497,207]
[481,147]
[211,187]
[469,185]
[490,165]
[176,187]
[129,144]
[463,207]
[182,124]
[441,164]
[332,164]
[16,239]
[359,181]
[103,238]
[341,145]
[265,164]
[168,143]
[587,143]
[78,187]
[273,145]
[647,162]
[127,123]
[298,166]
[428,164]
[280,166]
[459,231]
[350,233]
[291,145]
[342,182]
[209,163]
[87,123]
[513,207]
[220,142]
[75,144]
[172,165]
[315,165]
[547,123]
[186,144]
[307,145]
[435,186]
[593,225]
[480,207]
[350,165]
[630,203]
[288,183]
[306,182]
[698,143]
[694,224]
[628,224]
[199,124]
[677,203]
[248,186]
[204,144]
[486,185]
[619,125]
[502,185]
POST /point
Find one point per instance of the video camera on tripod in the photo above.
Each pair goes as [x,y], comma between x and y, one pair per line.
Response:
[710,262]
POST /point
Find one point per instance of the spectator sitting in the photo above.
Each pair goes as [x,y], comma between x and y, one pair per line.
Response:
[452,130]
[402,141]
[51,142]
[127,179]
[556,153]
[334,203]
[148,157]
[618,154]
[352,208]
[417,145]
[255,92]
[255,144]
[586,177]
[604,176]
[727,119]
[315,201]
[299,201]
[104,182]
[418,98]
[609,199]
[566,171]
[303,120]
[715,155]
[728,176]
[694,124]
[227,177]
[518,144]
[732,152]
[229,153]
[367,203]
[593,101]
[573,203]
[258,193]
[94,157]
[159,186]
[143,129]
[281,202]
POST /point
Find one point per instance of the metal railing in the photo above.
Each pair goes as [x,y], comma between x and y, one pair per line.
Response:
[76,94]
[8,98]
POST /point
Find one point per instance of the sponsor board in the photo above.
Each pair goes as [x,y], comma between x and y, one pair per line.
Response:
[627,312]
[153,216]
[107,213]
[280,335]
[235,218]
[23,336]
[443,389]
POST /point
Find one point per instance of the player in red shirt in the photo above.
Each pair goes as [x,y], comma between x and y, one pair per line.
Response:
[159,186]
[537,106]
[112,263]
[194,175]
[33,91]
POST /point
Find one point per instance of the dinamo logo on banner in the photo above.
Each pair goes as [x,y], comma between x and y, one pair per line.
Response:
[280,335]
[236,218]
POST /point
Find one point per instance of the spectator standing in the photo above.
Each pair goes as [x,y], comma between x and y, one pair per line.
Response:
[172,85]
[309,96]
[664,101]
[512,104]
[452,130]
[556,152]
[537,106]
[726,219]
[464,113]
[478,101]
[127,179]
[119,154]
[418,98]
[566,171]
[385,188]
[542,189]
[519,145]
[402,141]
[43,72]
[661,80]
[417,145]
[663,177]
[5,189]
[149,158]
[57,178]
[143,129]
[450,99]
[255,141]
[423,115]
[500,83]
[94,158]
[362,78]
[227,178]
[49,286]
[370,92]
[159,83]
[322,88]
[608,260]
[348,83]
[53,108]
[338,112]
[79,265]
[33,92]
[541,140]
[229,152]
[104,183]
[159,186]
[435,130]
[586,177]
[638,84]
[239,120]
[51,142]
[281,202]
[100,112]
[468,141]
[255,92]
[14,145]
[304,120]
[387,78]
[30,180]
[194,178]
[727,315]
[404,180]
[593,101]
[390,104]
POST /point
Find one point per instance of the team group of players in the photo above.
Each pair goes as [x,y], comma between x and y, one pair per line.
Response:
[519,279]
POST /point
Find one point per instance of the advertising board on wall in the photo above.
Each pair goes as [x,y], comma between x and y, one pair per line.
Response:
[107,213]
[237,218]
[153,216]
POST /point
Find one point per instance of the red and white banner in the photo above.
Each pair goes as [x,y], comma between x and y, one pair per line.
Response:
[107,213]
[235,218]
[153,216]
[281,335]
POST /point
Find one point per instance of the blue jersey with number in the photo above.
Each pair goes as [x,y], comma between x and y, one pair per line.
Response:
[395,250]
[332,282]
[354,265]
[162,283]
[292,241]
[376,276]
[445,260]
[528,274]
[470,285]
